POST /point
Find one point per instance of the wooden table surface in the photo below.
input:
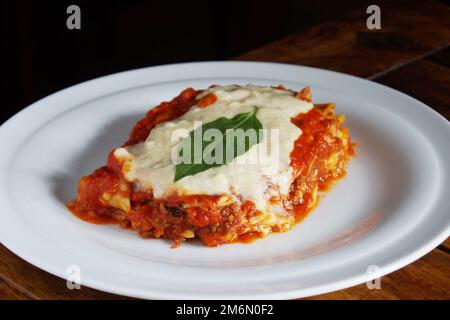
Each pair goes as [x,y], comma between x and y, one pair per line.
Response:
[410,53]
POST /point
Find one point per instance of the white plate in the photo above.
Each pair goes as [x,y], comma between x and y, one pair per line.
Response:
[391,209]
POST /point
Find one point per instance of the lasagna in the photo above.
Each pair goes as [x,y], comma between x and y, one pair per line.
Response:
[160,183]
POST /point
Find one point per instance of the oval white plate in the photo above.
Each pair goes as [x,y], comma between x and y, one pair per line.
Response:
[391,209]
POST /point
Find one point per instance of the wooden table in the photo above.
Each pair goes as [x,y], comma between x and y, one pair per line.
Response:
[410,53]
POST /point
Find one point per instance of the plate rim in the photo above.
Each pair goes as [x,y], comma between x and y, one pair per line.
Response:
[406,259]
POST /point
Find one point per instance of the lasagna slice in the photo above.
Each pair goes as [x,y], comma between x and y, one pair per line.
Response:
[267,185]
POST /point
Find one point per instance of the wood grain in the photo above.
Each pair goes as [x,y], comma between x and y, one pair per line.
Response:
[427,278]
[9,293]
[442,57]
[26,281]
[427,80]
[407,54]
[445,246]
[409,30]
[424,80]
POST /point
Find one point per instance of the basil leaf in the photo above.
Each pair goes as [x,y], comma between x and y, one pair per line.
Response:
[217,143]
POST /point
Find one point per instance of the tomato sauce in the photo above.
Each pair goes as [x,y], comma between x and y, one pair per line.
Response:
[90,204]
[206,101]
[166,111]
[177,217]
[309,158]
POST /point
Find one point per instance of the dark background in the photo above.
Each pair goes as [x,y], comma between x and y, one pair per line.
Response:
[41,56]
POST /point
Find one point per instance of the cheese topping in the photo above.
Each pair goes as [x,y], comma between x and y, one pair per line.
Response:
[256,175]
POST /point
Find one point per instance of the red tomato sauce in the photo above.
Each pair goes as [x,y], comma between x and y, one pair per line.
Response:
[311,152]
[166,111]
[90,206]
[175,215]
[206,101]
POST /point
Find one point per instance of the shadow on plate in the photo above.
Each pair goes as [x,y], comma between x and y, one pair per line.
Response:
[390,164]
[93,156]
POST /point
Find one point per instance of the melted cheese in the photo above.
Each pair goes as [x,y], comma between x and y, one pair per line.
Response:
[150,162]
